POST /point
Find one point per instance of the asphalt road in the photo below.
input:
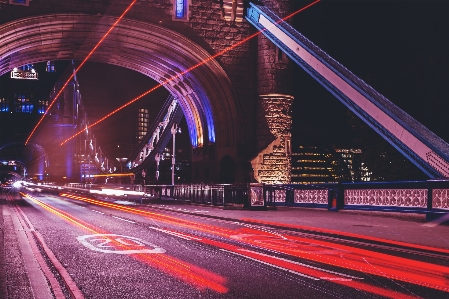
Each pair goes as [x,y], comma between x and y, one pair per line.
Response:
[117,250]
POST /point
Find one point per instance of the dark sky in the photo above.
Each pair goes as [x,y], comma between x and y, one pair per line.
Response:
[400,48]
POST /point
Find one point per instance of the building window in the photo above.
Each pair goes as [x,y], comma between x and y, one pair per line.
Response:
[181,10]
[23,104]
[143,121]
[51,67]
[20,2]
[281,56]
[232,10]
[42,106]
[4,105]
[27,67]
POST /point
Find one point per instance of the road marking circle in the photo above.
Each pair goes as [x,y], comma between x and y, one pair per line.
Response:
[118,244]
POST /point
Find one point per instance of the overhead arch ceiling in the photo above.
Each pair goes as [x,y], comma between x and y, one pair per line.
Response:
[205,92]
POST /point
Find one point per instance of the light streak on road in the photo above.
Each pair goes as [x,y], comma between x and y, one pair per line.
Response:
[165,82]
[77,222]
[78,68]
[345,234]
[306,271]
[324,252]
[189,273]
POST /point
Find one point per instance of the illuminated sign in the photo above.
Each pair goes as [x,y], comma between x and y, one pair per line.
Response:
[18,74]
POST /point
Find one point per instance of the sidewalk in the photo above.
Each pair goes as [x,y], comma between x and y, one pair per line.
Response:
[14,280]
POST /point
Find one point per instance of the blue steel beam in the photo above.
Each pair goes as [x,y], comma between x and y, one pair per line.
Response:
[421,146]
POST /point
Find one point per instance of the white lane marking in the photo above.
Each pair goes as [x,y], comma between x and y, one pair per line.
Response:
[336,278]
[305,265]
[118,244]
[176,234]
[98,212]
[271,265]
[123,219]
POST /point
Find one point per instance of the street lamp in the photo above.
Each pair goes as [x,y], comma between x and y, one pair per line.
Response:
[174,129]
[157,157]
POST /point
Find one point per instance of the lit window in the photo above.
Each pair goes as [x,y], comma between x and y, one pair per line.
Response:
[42,106]
[23,104]
[20,2]
[4,105]
[181,10]
[51,67]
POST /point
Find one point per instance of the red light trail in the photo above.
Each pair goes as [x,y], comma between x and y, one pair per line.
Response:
[78,68]
[192,274]
[342,256]
[186,71]
[328,231]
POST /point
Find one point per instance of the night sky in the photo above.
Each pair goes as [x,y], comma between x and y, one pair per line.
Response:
[400,48]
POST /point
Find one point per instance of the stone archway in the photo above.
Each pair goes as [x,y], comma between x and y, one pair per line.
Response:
[205,93]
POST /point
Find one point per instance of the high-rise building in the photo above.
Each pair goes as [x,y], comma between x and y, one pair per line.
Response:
[143,123]
[317,165]
[351,157]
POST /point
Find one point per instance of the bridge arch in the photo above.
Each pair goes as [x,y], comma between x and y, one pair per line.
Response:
[205,93]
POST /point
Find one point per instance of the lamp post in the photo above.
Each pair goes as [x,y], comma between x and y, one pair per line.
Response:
[157,157]
[174,129]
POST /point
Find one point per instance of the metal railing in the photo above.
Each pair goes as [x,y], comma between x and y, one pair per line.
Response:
[428,197]
[417,197]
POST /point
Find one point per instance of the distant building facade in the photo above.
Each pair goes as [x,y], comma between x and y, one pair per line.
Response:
[320,164]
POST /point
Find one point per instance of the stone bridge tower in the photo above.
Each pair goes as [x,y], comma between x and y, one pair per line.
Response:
[236,100]
[274,87]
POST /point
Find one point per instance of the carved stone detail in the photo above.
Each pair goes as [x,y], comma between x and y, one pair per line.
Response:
[273,164]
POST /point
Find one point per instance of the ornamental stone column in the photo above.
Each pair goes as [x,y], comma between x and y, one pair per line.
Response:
[272,165]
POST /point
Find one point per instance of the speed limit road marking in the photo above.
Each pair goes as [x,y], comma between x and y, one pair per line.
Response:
[118,244]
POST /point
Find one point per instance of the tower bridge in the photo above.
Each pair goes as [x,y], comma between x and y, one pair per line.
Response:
[236,99]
